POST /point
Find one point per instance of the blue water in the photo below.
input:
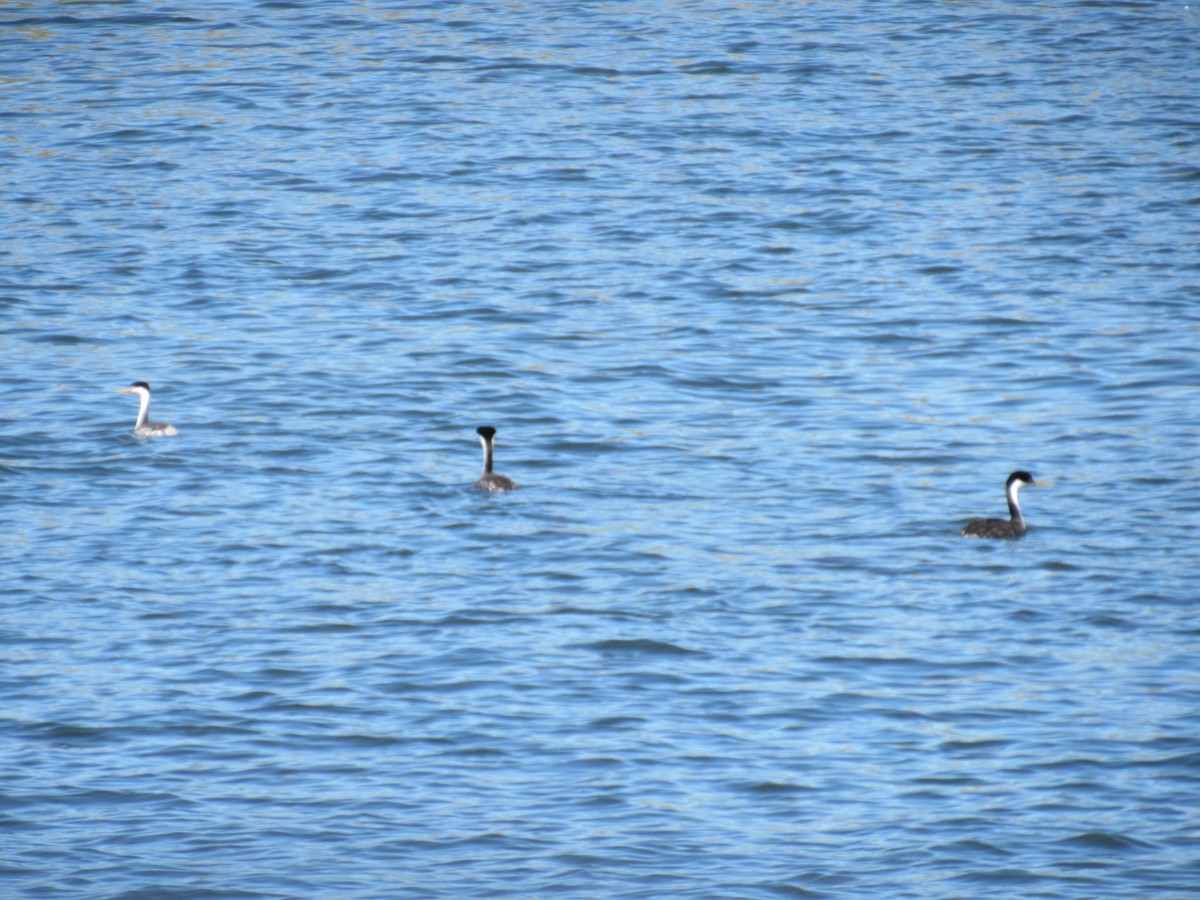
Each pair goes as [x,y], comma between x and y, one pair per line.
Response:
[765,301]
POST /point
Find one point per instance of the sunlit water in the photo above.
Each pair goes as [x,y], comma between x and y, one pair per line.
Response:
[765,301]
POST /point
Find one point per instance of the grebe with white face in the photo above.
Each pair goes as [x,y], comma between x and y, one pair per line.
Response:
[489,480]
[1012,527]
[144,427]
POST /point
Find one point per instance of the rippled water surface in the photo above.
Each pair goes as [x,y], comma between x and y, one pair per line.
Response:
[765,301]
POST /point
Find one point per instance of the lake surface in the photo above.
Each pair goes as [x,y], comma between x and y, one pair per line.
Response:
[765,301]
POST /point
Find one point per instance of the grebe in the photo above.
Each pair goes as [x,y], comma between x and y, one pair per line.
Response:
[144,427]
[1004,528]
[489,480]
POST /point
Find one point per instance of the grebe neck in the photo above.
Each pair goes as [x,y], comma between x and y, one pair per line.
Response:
[143,409]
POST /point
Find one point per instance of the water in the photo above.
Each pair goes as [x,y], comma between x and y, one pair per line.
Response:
[765,300]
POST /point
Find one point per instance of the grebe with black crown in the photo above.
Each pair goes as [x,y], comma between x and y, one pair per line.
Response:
[1013,527]
[489,480]
[144,427]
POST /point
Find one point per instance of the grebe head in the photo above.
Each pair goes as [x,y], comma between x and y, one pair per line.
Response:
[1018,480]
[487,432]
[138,387]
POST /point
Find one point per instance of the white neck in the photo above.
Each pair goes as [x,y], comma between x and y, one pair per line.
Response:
[144,409]
[1013,506]
[487,454]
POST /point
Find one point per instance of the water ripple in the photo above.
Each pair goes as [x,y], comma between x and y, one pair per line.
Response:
[764,304]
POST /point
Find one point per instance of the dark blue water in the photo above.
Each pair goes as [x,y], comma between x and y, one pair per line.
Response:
[765,301]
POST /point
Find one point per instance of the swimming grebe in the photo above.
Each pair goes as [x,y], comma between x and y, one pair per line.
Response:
[144,427]
[489,480]
[1004,528]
